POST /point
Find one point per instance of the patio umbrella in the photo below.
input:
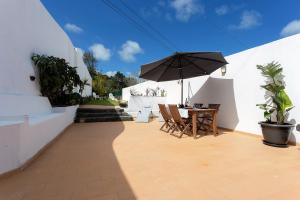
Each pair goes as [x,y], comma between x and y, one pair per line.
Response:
[183,65]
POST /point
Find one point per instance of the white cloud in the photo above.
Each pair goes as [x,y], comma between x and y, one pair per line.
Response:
[291,28]
[128,51]
[111,73]
[222,10]
[185,9]
[100,52]
[225,9]
[73,28]
[249,20]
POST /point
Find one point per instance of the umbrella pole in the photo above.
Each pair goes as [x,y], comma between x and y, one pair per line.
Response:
[181,91]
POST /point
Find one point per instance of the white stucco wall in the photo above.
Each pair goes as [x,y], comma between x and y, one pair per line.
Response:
[238,91]
[138,103]
[26,28]
[21,139]
[27,120]
[83,72]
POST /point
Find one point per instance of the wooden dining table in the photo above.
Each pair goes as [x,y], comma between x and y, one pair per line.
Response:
[194,112]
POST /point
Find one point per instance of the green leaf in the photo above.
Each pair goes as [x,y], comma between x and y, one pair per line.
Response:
[277,99]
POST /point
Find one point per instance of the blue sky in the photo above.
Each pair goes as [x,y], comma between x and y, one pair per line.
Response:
[190,25]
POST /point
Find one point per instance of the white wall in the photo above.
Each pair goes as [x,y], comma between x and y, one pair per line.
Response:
[21,140]
[83,72]
[26,28]
[238,91]
[137,103]
[27,120]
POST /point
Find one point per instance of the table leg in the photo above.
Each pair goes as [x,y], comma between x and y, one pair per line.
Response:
[215,129]
[194,118]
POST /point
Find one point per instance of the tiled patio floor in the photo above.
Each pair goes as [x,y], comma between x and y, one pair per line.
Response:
[113,161]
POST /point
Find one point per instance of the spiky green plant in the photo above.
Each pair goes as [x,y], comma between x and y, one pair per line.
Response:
[277,100]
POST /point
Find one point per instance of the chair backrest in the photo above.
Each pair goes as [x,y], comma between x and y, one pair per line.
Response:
[175,114]
[164,113]
[198,105]
[214,106]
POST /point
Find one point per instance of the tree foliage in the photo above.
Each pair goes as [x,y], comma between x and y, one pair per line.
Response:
[57,80]
[91,62]
[277,100]
[99,85]
[103,84]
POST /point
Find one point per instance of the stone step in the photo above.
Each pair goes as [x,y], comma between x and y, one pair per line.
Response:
[95,110]
[103,119]
[101,114]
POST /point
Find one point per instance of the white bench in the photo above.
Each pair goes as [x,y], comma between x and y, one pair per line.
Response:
[27,124]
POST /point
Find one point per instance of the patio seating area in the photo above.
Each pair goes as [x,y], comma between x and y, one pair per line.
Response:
[149,100]
[189,120]
[128,160]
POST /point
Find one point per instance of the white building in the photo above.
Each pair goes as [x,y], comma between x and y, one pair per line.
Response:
[27,120]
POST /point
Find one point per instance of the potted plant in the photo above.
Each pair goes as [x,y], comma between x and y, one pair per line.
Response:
[276,131]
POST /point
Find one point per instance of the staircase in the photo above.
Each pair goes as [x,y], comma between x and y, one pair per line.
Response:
[101,115]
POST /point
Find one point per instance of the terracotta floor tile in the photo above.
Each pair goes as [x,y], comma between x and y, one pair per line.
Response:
[128,160]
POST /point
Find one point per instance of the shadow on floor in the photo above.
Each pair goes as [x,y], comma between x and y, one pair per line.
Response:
[81,164]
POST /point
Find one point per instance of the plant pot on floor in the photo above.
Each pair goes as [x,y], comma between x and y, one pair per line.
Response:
[277,106]
[276,135]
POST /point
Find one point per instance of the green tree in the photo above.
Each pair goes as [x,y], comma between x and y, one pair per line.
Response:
[118,82]
[130,81]
[100,85]
[91,63]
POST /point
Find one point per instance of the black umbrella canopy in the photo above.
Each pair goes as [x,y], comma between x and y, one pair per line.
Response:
[183,65]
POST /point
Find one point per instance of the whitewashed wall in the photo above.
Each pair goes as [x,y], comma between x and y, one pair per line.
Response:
[21,139]
[238,91]
[27,120]
[138,103]
[83,72]
[26,28]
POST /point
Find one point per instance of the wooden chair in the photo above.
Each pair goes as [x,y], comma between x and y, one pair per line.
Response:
[180,124]
[169,124]
[207,119]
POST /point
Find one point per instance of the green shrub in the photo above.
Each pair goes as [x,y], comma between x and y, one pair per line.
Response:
[57,80]
[123,104]
[100,101]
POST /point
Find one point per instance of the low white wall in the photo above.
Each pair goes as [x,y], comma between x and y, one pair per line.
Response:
[22,140]
[238,91]
[137,103]
[9,147]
